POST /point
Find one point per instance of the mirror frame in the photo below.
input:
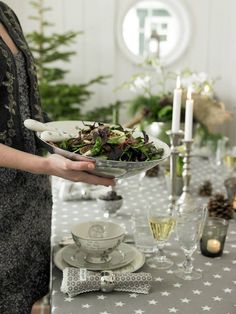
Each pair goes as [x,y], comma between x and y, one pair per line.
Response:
[179,11]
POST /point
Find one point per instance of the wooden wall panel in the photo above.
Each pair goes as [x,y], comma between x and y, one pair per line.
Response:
[212,48]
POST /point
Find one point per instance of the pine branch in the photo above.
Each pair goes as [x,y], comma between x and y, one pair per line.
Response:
[59,99]
[55,56]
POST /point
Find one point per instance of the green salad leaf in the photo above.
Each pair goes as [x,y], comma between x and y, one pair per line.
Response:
[112,143]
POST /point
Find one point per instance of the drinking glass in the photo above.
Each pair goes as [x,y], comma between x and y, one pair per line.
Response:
[189,228]
[161,223]
[211,150]
[142,236]
[229,162]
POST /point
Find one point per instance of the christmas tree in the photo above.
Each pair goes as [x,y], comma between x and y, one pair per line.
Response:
[60,100]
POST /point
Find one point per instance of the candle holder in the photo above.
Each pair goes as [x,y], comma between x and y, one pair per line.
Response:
[175,140]
[213,237]
[186,201]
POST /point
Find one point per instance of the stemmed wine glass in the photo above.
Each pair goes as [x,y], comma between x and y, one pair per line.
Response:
[229,162]
[216,153]
[189,228]
[161,223]
[211,150]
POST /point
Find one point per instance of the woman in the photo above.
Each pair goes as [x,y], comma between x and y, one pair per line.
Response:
[25,193]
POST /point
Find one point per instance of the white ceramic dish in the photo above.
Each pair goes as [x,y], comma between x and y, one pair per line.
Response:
[104,168]
[122,256]
[97,239]
[135,265]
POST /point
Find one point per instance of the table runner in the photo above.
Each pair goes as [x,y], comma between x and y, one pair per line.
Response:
[214,293]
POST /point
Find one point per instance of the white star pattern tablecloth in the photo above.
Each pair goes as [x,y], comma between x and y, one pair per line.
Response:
[214,293]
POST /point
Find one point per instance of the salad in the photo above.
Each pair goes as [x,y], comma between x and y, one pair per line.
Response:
[112,142]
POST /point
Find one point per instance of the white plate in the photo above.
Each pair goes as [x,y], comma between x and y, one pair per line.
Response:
[121,256]
[136,263]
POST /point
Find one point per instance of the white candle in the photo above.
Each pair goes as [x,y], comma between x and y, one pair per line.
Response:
[176,107]
[188,131]
[213,246]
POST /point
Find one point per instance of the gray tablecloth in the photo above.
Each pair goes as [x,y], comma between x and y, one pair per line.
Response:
[214,293]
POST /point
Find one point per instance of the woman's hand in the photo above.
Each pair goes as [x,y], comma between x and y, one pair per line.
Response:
[75,170]
[55,165]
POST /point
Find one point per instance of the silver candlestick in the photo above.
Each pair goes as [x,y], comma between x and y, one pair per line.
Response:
[175,140]
[186,201]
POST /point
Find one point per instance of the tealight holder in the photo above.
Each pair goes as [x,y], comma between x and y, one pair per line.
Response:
[230,186]
[213,237]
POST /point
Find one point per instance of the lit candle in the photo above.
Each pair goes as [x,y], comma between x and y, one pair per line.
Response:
[206,91]
[176,107]
[188,116]
[213,246]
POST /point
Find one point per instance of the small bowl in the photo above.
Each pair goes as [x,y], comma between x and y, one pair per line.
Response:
[110,202]
[110,206]
[97,239]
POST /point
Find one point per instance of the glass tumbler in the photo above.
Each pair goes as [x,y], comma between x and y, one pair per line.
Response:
[142,235]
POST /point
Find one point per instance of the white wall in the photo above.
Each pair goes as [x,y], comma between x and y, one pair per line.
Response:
[212,48]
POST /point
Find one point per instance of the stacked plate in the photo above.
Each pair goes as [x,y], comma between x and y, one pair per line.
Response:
[125,258]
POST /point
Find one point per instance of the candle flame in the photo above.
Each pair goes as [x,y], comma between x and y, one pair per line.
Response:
[189,93]
[178,82]
[206,89]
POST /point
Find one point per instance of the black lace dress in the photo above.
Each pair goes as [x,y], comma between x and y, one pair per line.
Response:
[25,222]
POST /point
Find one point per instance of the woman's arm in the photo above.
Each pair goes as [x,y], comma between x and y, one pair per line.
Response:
[52,165]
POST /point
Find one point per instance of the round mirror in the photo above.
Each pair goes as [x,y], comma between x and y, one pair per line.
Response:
[154,28]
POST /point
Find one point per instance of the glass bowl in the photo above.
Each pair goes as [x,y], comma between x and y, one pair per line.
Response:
[104,168]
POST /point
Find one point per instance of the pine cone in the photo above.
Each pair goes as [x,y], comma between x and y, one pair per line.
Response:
[219,206]
[205,189]
[153,172]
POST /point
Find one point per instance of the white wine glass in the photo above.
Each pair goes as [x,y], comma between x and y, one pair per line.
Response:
[161,223]
[229,162]
[211,150]
[189,228]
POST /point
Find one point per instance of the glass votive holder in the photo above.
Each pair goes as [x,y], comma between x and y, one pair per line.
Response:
[230,185]
[142,234]
[213,236]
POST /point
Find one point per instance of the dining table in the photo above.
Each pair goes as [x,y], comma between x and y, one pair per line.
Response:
[214,293]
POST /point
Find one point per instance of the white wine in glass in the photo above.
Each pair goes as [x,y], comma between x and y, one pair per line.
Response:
[229,162]
[161,224]
[161,227]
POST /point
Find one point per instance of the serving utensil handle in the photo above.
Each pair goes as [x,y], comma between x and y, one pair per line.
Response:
[37,126]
